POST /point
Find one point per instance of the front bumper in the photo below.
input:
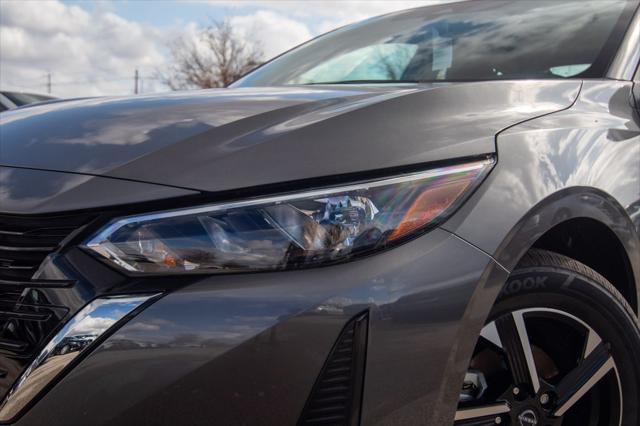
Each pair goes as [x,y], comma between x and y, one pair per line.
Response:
[247,349]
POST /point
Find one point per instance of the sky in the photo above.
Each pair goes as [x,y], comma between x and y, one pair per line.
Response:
[92,48]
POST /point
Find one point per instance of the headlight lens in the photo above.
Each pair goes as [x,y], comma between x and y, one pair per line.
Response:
[289,231]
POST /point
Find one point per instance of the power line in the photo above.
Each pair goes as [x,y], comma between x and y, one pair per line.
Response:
[24,86]
[48,84]
[85,81]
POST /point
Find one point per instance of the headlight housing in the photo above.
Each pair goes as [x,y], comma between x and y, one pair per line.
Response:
[289,231]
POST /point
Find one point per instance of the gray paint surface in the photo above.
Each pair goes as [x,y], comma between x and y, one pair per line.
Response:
[245,349]
[581,162]
[560,155]
[236,138]
[41,191]
[427,298]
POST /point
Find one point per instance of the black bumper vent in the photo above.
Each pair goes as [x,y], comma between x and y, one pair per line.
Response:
[337,393]
[25,241]
[30,309]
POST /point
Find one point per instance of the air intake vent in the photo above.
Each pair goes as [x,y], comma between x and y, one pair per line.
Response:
[25,241]
[30,309]
[336,396]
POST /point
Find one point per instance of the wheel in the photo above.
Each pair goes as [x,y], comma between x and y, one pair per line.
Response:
[561,347]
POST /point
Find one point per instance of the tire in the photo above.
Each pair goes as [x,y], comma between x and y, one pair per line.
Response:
[581,341]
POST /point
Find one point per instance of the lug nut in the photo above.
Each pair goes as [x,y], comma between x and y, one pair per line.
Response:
[544,399]
[516,391]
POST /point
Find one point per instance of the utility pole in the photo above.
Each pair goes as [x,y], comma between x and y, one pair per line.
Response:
[49,83]
[136,78]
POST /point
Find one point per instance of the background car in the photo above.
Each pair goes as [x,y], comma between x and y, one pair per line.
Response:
[423,218]
[10,100]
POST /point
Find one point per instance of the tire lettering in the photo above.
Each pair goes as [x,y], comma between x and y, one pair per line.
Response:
[526,284]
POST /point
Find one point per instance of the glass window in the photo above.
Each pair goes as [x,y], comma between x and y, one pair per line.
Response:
[376,62]
[25,98]
[471,40]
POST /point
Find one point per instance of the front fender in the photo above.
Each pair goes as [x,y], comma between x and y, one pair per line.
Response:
[578,163]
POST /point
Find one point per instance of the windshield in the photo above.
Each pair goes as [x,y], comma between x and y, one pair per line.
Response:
[475,40]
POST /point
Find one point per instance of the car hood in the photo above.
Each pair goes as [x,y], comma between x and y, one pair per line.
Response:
[225,139]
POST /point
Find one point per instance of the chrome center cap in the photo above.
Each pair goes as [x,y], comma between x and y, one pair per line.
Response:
[528,418]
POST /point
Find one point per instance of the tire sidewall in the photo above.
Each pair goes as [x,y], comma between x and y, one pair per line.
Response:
[595,303]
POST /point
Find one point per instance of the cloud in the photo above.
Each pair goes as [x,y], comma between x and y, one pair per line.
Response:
[87,53]
[94,51]
[44,17]
[329,14]
[354,9]
[93,325]
[274,32]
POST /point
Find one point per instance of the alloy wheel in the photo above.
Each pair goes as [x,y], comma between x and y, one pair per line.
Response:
[541,367]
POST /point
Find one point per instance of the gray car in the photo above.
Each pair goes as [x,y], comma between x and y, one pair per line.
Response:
[426,218]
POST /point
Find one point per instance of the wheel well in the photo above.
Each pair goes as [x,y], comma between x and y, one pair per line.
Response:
[594,244]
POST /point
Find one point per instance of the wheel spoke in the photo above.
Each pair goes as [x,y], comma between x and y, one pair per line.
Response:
[583,378]
[593,340]
[490,333]
[515,342]
[483,415]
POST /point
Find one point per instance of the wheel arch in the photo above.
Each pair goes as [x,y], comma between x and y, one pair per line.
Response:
[569,208]
[537,228]
[574,238]
[586,224]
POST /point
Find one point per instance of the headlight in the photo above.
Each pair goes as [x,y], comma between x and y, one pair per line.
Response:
[288,231]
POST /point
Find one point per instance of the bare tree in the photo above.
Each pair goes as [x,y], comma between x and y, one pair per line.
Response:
[216,59]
